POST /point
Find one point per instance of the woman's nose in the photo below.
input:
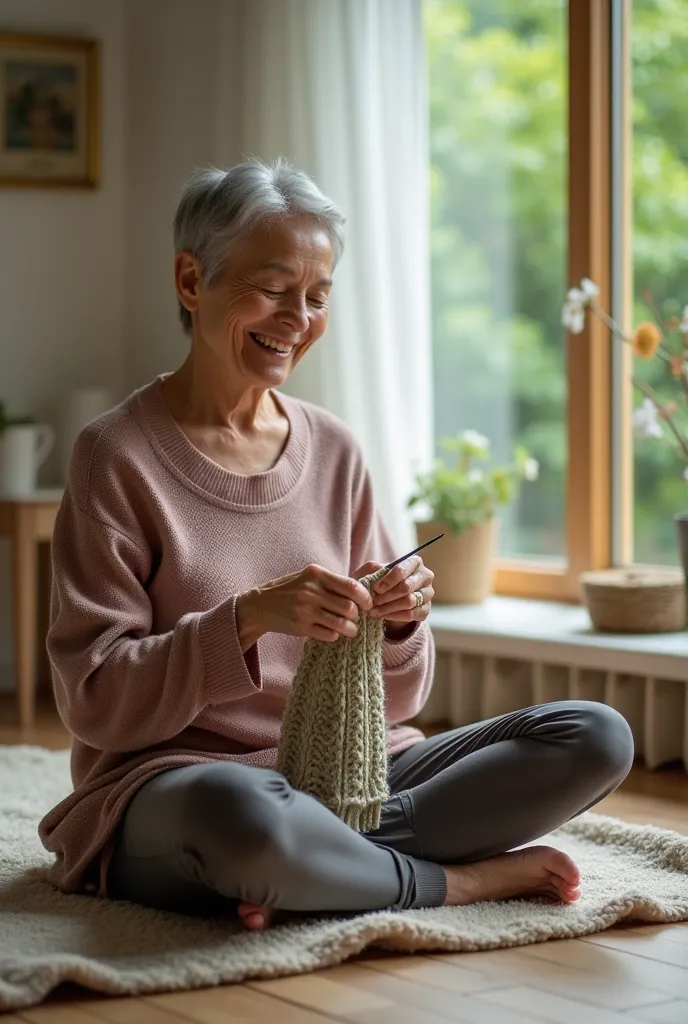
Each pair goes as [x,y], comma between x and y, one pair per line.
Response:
[295,314]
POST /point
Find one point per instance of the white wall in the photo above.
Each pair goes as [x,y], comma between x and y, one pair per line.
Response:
[61,250]
[62,317]
[179,58]
[86,287]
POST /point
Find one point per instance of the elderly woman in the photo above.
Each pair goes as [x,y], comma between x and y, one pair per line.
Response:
[210,523]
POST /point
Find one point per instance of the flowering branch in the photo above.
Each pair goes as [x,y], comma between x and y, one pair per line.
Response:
[666,415]
[646,341]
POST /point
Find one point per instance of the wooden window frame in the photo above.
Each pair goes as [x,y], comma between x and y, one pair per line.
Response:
[589,355]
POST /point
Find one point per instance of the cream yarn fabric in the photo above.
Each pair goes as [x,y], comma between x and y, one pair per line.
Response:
[334,742]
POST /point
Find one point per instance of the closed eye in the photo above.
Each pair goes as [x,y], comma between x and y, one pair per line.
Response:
[316,303]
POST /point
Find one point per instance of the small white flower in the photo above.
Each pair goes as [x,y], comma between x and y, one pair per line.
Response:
[476,476]
[475,440]
[573,313]
[577,323]
[646,421]
[531,470]
[573,318]
[683,326]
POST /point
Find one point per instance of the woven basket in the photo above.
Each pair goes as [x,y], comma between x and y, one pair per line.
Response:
[636,600]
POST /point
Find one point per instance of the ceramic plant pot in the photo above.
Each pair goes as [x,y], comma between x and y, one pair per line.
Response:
[462,563]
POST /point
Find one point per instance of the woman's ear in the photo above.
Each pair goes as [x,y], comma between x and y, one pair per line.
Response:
[187,278]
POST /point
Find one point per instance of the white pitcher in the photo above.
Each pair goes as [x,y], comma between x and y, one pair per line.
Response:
[24,447]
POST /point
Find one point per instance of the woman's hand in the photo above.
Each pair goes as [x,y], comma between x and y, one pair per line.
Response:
[313,602]
[404,595]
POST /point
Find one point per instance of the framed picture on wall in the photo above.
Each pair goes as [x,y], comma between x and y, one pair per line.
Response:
[48,111]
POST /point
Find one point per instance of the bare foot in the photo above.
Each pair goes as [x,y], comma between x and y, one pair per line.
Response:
[534,871]
[255,918]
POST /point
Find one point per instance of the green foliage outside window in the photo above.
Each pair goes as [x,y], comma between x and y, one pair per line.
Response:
[498,100]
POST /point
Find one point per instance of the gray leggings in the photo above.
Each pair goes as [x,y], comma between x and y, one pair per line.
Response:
[201,838]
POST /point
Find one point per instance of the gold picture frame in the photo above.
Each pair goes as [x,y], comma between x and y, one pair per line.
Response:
[49,111]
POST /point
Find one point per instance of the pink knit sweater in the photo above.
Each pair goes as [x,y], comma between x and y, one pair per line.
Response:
[152,544]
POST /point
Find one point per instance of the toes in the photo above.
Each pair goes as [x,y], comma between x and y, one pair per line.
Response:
[255,921]
[571,895]
[255,918]
[555,894]
[561,894]
[560,864]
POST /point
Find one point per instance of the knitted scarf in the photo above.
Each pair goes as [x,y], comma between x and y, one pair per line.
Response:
[334,742]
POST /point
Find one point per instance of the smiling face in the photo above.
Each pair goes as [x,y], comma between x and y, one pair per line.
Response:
[269,303]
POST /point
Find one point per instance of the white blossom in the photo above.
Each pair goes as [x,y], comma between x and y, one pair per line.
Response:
[646,421]
[573,313]
[475,440]
[573,317]
[531,470]
[683,326]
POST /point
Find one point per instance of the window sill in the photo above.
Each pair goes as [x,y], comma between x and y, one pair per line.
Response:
[519,628]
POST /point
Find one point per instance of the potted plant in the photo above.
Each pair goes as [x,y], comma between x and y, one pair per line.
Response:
[461,500]
[654,418]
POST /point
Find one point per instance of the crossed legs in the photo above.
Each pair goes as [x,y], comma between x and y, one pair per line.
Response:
[219,837]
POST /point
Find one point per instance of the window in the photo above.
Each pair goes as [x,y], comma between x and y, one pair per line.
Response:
[521,162]
[659,190]
[498,140]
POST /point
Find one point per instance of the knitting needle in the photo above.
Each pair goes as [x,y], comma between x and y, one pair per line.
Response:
[390,565]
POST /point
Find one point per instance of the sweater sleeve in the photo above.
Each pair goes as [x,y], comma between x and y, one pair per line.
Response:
[119,686]
[409,663]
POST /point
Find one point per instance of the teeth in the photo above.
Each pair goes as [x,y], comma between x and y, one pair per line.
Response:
[271,343]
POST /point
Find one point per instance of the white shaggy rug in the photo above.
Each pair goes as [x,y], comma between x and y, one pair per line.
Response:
[628,871]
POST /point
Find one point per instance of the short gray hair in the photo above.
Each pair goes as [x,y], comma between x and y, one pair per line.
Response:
[218,209]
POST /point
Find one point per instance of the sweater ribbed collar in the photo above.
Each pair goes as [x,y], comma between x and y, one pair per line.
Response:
[249,493]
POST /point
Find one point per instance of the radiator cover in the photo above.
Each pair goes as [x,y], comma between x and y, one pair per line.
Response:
[510,654]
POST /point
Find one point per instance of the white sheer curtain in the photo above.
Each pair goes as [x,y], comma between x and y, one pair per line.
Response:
[338,87]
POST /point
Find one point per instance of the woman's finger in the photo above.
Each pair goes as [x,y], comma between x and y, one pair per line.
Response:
[398,574]
[323,633]
[408,586]
[316,606]
[345,586]
[367,569]
[404,605]
[416,615]
[336,624]
[342,607]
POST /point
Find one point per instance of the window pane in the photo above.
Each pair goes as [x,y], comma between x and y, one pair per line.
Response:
[498,152]
[659,69]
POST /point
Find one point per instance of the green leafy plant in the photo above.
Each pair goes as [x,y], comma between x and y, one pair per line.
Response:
[12,421]
[468,493]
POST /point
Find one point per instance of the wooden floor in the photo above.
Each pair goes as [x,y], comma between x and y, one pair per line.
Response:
[624,974]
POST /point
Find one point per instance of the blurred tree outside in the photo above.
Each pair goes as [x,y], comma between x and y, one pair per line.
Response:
[498,165]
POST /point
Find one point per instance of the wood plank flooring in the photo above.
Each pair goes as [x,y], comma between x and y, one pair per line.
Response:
[631,974]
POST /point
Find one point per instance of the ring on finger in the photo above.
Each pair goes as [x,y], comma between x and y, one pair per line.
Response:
[420,600]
